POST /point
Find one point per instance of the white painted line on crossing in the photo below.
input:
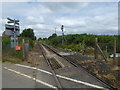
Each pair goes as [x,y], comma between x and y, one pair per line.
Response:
[81,82]
[39,81]
[41,70]
[63,77]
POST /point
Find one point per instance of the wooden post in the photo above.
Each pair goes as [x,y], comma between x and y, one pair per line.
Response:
[26,50]
[114,54]
[23,41]
[101,52]
[95,49]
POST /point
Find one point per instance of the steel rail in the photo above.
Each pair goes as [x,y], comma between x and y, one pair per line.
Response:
[83,69]
[59,86]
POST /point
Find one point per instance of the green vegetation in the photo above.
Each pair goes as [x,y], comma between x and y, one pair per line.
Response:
[28,33]
[31,42]
[10,54]
[29,36]
[81,42]
[11,61]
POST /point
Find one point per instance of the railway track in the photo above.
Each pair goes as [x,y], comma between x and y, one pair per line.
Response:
[74,62]
[52,75]
[52,65]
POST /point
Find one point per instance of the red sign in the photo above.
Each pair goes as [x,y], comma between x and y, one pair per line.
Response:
[18,47]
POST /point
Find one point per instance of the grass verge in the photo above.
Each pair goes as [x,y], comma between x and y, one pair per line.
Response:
[11,61]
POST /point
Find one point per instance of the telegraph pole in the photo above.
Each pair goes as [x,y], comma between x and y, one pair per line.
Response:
[62,34]
[114,54]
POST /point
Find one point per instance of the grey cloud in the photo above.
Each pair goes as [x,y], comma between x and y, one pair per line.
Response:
[76,17]
[58,6]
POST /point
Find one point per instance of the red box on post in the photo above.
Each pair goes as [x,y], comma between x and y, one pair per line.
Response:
[18,47]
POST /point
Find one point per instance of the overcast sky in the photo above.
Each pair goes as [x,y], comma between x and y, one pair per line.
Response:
[77,18]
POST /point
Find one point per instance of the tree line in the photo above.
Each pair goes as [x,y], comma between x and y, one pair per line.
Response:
[78,42]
